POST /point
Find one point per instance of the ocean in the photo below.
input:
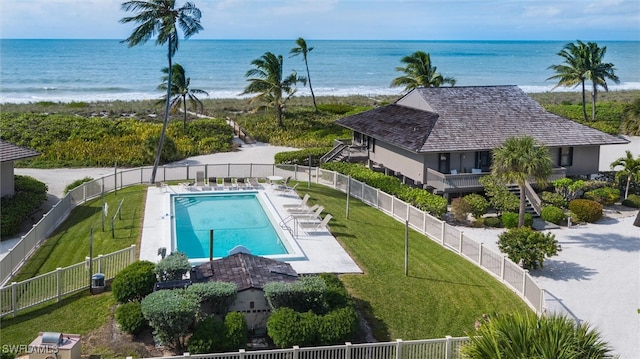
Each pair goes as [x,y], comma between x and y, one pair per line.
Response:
[102,70]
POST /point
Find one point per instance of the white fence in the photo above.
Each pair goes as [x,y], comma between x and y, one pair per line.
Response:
[447,348]
[497,264]
[54,285]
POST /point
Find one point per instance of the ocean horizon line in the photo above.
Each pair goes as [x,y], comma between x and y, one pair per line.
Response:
[334,40]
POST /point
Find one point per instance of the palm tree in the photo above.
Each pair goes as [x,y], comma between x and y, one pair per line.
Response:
[159,18]
[420,73]
[304,50]
[572,72]
[267,82]
[181,92]
[598,72]
[516,161]
[630,169]
[528,336]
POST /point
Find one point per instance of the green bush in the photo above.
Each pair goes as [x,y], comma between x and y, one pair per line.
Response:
[287,328]
[29,194]
[215,297]
[510,220]
[76,183]
[528,247]
[499,196]
[493,222]
[172,267]
[130,319]
[632,201]
[171,313]
[134,282]
[208,336]
[606,196]
[338,326]
[477,203]
[301,157]
[308,293]
[236,331]
[586,210]
[568,188]
[336,108]
[554,199]
[337,295]
[460,209]
[552,214]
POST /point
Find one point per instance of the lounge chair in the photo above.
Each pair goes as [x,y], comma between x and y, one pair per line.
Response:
[189,186]
[254,183]
[227,183]
[213,183]
[315,226]
[308,217]
[303,210]
[286,191]
[240,183]
[300,205]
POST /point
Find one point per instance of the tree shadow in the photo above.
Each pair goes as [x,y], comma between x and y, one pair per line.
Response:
[607,241]
[563,270]
[371,326]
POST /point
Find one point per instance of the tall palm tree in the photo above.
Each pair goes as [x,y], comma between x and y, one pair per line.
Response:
[598,72]
[516,161]
[571,72]
[630,169]
[304,50]
[160,18]
[419,72]
[266,80]
[181,92]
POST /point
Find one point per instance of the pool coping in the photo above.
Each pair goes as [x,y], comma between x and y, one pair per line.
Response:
[321,251]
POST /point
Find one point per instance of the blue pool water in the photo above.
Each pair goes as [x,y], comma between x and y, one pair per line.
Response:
[236,219]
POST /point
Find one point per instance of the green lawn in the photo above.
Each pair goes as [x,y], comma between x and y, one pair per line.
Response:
[442,295]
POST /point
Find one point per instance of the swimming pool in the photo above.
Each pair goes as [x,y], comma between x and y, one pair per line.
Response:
[244,218]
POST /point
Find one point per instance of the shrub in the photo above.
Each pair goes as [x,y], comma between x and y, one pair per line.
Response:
[76,183]
[130,319]
[215,297]
[554,199]
[28,196]
[172,267]
[569,189]
[171,314]
[301,157]
[632,201]
[510,219]
[606,196]
[134,282]
[586,210]
[336,108]
[339,326]
[460,209]
[552,214]
[208,336]
[287,328]
[478,204]
[528,247]
[337,295]
[309,293]
[499,196]
[236,331]
[493,222]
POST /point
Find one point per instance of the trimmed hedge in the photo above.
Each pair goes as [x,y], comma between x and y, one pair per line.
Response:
[554,199]
[172,267]
[493,222]
[586,210]
[208,336]
[130,319]
[301,157]
[236,332]
[306,294]
[134,282]
[215,297]
[29,195]
[420,198]
[510,220]
[552,214]
[632,201]
[606,196]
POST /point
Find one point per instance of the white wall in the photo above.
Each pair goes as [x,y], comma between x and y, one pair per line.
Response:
[6,179]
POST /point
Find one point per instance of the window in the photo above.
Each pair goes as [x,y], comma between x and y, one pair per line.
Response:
[444,161]
[565,156]
[483,160]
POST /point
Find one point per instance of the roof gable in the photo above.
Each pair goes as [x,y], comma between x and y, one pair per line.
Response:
[11,152]
[470,119]
[246,271]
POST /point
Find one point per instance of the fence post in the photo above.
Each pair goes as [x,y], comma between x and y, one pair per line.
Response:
[541,304]
[377,198]
[241,352]
[296,349]
[524,281]
[100,257]
[347,350]
[59,282]
[480,254]
[442,232]
[398,348]
[448,350]
[504,263]
[14,298]
[460,242]
[132,253]
[295,171]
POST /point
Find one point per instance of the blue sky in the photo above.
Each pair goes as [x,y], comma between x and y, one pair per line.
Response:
[588,20]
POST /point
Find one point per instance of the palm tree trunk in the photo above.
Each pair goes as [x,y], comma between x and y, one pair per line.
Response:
[584,102]
[184,107]
[522,205]
[594,94]
[156,162]
[310,87]
[626,191]
[279,111]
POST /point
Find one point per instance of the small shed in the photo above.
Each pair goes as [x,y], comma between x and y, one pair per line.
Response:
[10,153]
[250,273]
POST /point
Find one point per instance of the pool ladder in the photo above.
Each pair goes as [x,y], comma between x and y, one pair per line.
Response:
[284,224]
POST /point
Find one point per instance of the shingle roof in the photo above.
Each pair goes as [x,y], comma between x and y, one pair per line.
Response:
[470,119]
[246,271]
[11,152]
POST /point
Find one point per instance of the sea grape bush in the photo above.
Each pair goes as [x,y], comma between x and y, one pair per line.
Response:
[301,157]
[477,203]
[499,196]
[586,210]
[28,196]
[422,199]
[134,282]
[528,247]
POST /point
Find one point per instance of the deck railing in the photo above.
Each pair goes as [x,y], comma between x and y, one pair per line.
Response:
[450,237]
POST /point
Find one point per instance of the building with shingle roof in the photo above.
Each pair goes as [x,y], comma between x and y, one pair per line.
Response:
[443,137]
[9,153]
[250,274]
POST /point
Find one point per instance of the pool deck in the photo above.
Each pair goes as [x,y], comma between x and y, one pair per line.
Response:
[322,252]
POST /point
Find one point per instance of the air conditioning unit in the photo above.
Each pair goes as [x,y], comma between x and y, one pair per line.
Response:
[55,345]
